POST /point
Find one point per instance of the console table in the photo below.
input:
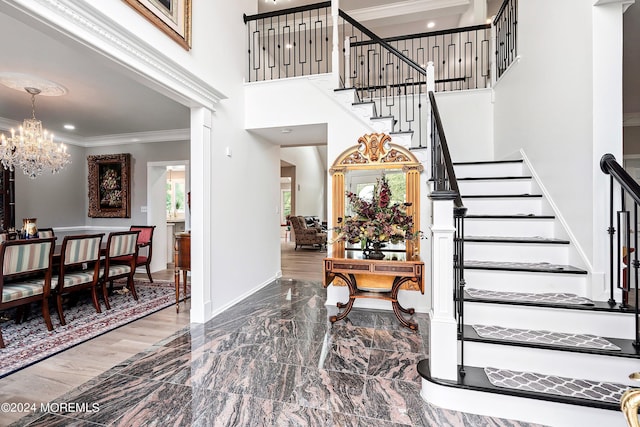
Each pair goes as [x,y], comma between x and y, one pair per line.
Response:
[379,279]
[182,259]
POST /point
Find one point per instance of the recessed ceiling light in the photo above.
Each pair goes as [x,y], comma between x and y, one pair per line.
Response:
[69,126]
[431,24]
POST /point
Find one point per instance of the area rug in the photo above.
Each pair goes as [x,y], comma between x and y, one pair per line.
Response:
[29,342]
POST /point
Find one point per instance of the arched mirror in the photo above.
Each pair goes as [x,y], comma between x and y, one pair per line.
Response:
[357,170]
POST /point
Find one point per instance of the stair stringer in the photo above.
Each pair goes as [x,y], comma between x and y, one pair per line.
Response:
[596,287]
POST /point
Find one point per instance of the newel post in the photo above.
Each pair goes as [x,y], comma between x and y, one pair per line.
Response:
[443,342]
[335,51]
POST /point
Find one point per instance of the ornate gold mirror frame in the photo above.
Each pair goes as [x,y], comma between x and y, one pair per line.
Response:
[376,151]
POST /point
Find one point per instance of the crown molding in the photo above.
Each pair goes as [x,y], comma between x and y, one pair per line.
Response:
[407,7]
[85,23]
[170,135]
[631,119]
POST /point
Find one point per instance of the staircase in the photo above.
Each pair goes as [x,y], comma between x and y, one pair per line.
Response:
[530,331]
[367,112]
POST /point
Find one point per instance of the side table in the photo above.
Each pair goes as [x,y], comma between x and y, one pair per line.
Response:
[182,260]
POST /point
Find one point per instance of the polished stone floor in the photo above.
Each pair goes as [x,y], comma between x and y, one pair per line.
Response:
[273,360]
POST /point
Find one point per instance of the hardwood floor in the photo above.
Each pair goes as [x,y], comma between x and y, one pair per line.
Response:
[57,375]
[304,263]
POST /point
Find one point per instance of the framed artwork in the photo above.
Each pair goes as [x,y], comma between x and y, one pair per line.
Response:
[110,186]
[173,17]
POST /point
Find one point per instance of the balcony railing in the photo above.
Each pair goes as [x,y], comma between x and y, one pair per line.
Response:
[289,43]
[506,23]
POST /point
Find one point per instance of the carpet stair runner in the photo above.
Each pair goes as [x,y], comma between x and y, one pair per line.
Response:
[510,345]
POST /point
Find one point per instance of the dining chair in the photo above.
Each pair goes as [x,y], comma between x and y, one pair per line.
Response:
[79,268]
[145,240]
[119,244]
[46,232]
[26,275]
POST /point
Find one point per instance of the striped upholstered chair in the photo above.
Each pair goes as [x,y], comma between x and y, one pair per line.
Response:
[79,268]
[46,232]
[25,275]
[145,240]
[119,244]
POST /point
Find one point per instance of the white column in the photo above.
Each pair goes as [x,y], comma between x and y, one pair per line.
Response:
[443,343]
[335,52]
[201,233]
[607,128]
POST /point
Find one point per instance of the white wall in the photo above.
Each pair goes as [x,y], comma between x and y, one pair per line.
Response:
[310,180]
[242,189]
[543,105]
[467,119]
[245,187]
[56,200]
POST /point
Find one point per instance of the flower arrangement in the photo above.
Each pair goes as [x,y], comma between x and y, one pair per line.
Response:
[377,220]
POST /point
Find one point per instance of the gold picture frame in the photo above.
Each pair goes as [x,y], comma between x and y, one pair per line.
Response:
[110,186]
[173,17]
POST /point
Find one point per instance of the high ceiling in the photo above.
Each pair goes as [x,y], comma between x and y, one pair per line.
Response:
[103,99]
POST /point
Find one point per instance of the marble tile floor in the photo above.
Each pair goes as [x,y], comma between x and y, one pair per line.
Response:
[272,360]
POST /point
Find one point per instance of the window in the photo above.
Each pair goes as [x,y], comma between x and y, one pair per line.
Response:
[175,197]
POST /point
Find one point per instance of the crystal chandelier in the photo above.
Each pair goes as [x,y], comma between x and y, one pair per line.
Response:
[32,149]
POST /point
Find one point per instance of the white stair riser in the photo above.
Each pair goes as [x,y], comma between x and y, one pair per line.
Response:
[517,252]
[503,205]
[509,227]
[488,170]
[403,139]
[522,281]
[504,186]
[346,97]
[382,125]
[551,362]
[615,325]
[518,408]
[365,110]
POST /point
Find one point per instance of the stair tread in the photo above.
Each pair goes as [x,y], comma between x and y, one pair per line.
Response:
[537,336]
[515,216]
[498,196]
[560,298]
[549,300]
[493,178]
[511,239]
[476,378]
[543,267]
[577,343]
[488,162]
[556,385]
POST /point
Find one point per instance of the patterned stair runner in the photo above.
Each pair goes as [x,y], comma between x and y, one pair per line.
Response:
[544,337]
[559,386]
[545,298]
[523,266]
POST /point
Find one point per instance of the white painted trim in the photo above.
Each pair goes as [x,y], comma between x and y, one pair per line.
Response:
[242,297]
[138,138]
[557,213]
[518,408]
[408,7]
[85,23]
[85,228]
